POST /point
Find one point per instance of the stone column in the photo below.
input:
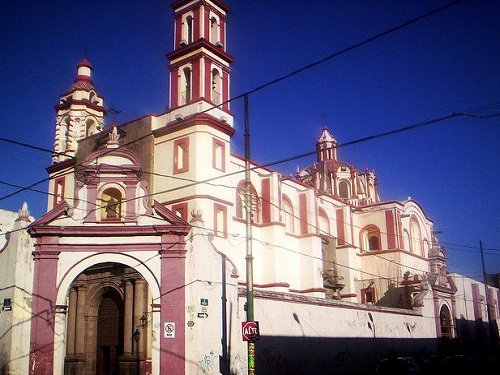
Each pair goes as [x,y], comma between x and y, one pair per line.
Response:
[70,348]
[80,320]
[43,309]
[173,260]
[138,311]
[127,323]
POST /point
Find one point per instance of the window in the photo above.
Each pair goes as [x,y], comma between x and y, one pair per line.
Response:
[287,214]
[344,191]
[181,210]
[220,220]
[416,238]
[446,322]
[93,98]
[324,222]
[90,128]
[368,295]
[111,204]
[181,155]
[241,202]
[218,155]
[370,238]
[373,242]
[214,30]
[59,190]
[187,29]
[64,135]
[406,240]
[185,86]
[216,92]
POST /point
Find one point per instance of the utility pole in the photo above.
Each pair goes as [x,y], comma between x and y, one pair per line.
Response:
[249,256]
[485,279]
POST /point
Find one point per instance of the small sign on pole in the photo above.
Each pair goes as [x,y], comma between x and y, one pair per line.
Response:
[250,331]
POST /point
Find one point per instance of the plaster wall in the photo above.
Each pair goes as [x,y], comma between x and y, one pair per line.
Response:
[16,280]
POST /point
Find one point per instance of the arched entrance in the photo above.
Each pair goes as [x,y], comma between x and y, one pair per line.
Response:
[107,322]
[446,323]
[109,333]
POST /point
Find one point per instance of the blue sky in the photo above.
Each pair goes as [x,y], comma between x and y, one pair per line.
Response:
[443,64]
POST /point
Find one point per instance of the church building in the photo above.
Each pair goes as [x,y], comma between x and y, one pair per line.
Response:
[139,262]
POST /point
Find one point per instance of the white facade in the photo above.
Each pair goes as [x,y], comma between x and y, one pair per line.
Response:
[16,280]
[146,224]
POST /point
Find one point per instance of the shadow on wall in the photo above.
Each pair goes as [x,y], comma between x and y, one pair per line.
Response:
[306,355]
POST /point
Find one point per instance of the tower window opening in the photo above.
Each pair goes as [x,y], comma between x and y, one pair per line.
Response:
[216,86]
[214,30]
[185,86]
[189,29]
[93,98]
[90,128]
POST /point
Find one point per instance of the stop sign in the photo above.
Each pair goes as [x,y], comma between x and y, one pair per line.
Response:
[250,331]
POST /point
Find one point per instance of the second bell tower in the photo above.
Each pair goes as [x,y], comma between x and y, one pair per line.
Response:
[199,64]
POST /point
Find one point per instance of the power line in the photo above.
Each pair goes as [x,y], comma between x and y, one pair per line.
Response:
[293,73]
[349,48]
[38,148]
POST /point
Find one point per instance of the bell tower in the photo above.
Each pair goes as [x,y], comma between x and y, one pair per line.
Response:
[80,113]
[199,64]
[326,146]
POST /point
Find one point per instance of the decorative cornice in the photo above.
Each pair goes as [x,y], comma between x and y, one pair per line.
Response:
[196,119]
[66,164]
[318,301]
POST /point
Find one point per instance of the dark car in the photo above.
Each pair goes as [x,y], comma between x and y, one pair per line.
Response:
[398,366]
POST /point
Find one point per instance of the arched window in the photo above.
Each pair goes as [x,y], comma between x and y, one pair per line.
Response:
[415,237]
[425,248]
[93,98]
[241,202]
[446,322]
[370,238]
[406,240]
[214,30]
[323,222]
[344,190]
[185,86]
[64,135]
[90,127]
[111,202]
[287,214]
[189,29]
[216,92]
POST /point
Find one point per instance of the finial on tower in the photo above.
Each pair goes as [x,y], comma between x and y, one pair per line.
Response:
[83,76]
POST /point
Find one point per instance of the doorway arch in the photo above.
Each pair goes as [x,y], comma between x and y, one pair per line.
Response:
[108,325]
[445,322]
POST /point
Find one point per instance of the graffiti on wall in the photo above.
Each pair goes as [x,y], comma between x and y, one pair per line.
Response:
[209,362]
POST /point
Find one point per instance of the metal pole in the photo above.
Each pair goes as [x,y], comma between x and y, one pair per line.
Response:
[485,279]
[249,256]
[224,365]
